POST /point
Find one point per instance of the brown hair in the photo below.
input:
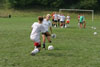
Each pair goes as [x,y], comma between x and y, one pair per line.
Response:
[40,18]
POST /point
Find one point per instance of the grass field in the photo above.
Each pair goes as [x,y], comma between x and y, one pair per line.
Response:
[74,47]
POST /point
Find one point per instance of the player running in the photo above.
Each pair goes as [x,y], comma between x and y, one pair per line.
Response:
[37,28]
[47,25]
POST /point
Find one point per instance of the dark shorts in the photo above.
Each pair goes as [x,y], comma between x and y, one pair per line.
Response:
[52,19]
[62,21]
[55,20]
[58,20]
[81,22]
[45,34]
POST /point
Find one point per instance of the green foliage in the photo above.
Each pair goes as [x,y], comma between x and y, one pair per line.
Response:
[86,4]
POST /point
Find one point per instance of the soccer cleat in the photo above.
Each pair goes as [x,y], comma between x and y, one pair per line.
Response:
[35,51]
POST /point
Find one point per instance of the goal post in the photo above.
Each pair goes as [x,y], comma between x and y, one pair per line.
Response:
[80,10]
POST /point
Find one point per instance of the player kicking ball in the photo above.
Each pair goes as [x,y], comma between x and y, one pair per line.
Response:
[47,25]
[37,28]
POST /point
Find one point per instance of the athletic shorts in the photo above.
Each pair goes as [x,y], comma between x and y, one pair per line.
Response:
[67,22]
[81,22]
[35,39]
[52,19]
[62,21]
[45,34]
[58,20]
[55,20]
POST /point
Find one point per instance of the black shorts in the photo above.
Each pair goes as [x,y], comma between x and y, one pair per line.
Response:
[55,20]
[81,22]
[58,20]
[52,19]
[38,46]
[45,34]
[62,21]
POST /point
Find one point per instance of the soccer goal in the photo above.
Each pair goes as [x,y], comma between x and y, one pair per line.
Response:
[91,12]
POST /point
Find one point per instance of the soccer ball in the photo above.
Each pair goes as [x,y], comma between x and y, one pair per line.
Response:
[53,35]
[50,47]
[95,33]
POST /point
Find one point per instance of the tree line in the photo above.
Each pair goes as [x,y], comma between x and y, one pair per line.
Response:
[54,4]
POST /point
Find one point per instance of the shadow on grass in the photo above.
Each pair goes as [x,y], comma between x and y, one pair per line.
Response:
[55,54]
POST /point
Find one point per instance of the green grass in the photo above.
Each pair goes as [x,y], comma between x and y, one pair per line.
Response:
[74,47]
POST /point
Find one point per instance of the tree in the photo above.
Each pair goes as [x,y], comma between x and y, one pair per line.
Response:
[88,4]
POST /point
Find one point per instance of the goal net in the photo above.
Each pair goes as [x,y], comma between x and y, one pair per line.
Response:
[89,14]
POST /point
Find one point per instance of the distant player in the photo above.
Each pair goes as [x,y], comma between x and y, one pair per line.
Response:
[62,20]
[55,19]
[67,20]
[47,25]
[37,28]
[82,21]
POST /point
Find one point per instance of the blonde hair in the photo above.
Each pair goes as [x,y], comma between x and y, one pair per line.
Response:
[48,15]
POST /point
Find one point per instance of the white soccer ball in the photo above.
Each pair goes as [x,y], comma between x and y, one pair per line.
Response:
[50,47]
[95,33]
[53,35]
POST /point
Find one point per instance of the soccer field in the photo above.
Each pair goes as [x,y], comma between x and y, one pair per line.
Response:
[73,47]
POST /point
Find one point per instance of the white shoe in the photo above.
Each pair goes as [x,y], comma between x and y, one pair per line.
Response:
[65,26]
[55,26]
[35,51]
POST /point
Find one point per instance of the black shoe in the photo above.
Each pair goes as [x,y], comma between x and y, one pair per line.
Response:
[33,54]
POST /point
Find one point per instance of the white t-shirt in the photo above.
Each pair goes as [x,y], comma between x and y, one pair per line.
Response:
[62,18]
[68,18]
[58,16]
[36,30]
[47,24]
[55,17]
